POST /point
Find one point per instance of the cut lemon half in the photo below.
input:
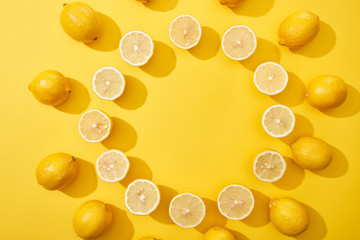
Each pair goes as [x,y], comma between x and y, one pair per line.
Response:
[270,78]
[94,126]
[185,31]
[112,166]
[142,197]
[278,121]
[269,166]
[235,202]
[108,83]
[187,210]
[239,42]
[136,48]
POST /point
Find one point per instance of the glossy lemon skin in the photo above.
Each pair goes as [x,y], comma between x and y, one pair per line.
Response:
[56,171]
[298,29]
[92,219]
[218,233]
[311,153]
[288,216]
[326,92]
[231,3]
[50,87]
[80,22]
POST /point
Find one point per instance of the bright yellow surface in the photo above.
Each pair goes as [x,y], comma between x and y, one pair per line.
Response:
[188,120]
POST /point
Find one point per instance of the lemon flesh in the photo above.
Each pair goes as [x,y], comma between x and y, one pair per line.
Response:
[311,153]
[288,216]
[80,22]
[326,92]
[95,126]
[218,233]
[185,31]
[298,29]
[92,219]
[56,171]
[50,87]
[270,78]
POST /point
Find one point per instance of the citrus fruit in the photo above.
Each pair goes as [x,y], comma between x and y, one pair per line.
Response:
[56,171]
[108,83]
[112,166]
[187,210]
[218,233]
[298,29]
[50,87]
[80,22]
[231,3]
[94,126]
[311,153]
[270,78]
[92,219]
[269,166]
[239,42]
[288,216]
[278,121]
[185,31]
[235,202]
[136,48]
[326,92]
[142,197]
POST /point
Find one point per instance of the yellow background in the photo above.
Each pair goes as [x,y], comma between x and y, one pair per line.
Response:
[188,120]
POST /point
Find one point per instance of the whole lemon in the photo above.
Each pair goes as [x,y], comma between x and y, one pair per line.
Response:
[218,233]
[231,3]
[311,153]
[92,219]
[288,216]
[50,87]
[298,29]
[56,171]
[326,92]
[80,22]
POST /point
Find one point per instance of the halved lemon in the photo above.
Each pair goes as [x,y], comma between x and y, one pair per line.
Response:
[185,31]
[269,166]
[187,210]
[270,78]
[94,126]
[112,166]
[235,202]
[239,42]
[142,197]
[136,48]
[278,121]
[108,83]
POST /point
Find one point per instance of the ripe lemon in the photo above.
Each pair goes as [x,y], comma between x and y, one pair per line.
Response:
[288,216]
[270,78]
[269,166]
[187,210]
[80,22]
[278,121]
[311,153]
[50,87]
[231,3]
[95,126]
[185,31]
[112,166]
[218,233]
[92,219]
[136,48]
[142,197]
[235,202]
[298,29]
[326,92]
[239,42]
[56,171]
[108,83]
